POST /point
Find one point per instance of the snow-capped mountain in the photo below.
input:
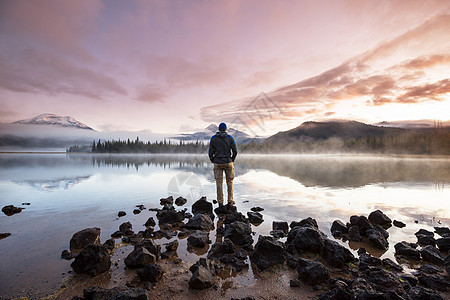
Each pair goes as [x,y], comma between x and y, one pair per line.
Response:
[52,119]
[205,135]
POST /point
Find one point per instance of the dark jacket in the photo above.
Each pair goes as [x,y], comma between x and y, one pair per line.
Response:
[222,148]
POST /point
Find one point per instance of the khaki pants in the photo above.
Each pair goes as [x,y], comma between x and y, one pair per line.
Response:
[229,176]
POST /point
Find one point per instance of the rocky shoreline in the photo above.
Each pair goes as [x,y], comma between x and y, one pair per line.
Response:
[314,264]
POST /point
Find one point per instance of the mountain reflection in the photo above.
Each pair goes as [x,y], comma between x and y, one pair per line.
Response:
[52,185]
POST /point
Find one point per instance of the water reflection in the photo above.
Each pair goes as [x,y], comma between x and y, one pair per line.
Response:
[52,185]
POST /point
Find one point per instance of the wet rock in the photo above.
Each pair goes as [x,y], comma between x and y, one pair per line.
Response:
[184,233]
[180,201]
[140,206]
[202,206]
[241,254]
[276,225]
[361,250]
[147,233]
[278,233]
[391,265]
[151,272]
[377,217]
[172,246]
[442,230]
[116,234]
[220,249]
[354,235]
[366,260]
[10,210]
[150,246]
[255,217]
[399,224]
[425,240]
[4,235]
[133,239]
[125,228]
[225,209]
[407,250]
[117,293]
[109,245]
[339,291]
[165,201]
[336,254]
[200,221]
[409,278]
[201,277]
[235,216]
[424,232]
[92,260]
[443,244]
[239,233]
[362,223]
[233,261]
[67,255]
[85,237]
[198,239]
[187,215]
[170,216]
[435,282]
[383,281]
[150,222]
[305,222]
[136,211]
[338,228]
[139,257]
[428,269]
[268,252]
[382,231]
[312,272]
[121,213]
[376,239]
[292,260]
[256,209]
[294,283]
[306,238]
[432,255]
[419,293]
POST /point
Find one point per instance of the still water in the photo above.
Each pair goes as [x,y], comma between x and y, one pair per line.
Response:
[68,193]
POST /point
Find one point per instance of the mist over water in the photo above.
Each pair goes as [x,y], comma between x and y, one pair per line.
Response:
[72,192]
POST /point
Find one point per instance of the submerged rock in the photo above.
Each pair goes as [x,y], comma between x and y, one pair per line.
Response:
[67,255]
[85,237]
[165,201]
[268,252]
[121,213]
[170,216]
[4,235]
[10,210]
[255,217]
[257,209]
[200,221]
[377,217]
[92,260]
[180,201]
[399,224]
[239,233]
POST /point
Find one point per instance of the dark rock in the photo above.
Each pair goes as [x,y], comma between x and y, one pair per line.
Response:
[239,233]
[383,281]
[361,250]
[362,223]
[419,293]
[92,260]
[278,233]
[165,201]
[150,222]
[202,278]
[268,252]
[121,213]
[306,238]
[340,291]
[382,231]
[425,240]
[10,210]
[241,254]
[411,279]
[85,237]
[198,239]
[220,249]
[338,228]
[366,260]
[200,221]
[109,245]
[225,209]
[170,216]
[140,206]
[202,206]
[233,217]
[184,233]
[26,203]
[180,201]
[432,255]
[172,246]
[377,217]
[312,272]
[353,234]
[447,264]
[377,239]
[435,282]
[294,283]
[117,293]
[151,272]
[335,254]
[230,259]
[399,224]
[255,217]
[276,225]
[424,232]
[442,230]
[391,265]
[443,244]
[150,246]
[168,207]
[406,249]
[305,222]
[67,255]
[125,227]
[428,269]
[256,209]
[117,234]
[136,211]
[133,239]
[139,257]
[292,260]
[4,235]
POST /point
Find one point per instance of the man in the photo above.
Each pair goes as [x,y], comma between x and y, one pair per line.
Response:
[222,152]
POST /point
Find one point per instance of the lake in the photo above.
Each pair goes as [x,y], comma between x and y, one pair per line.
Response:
[70,192]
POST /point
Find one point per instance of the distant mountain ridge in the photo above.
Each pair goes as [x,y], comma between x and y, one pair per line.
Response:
[206,134]
[53,119]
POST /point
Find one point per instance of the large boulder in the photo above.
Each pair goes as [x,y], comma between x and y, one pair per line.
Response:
[336,255]
[377,217]
[407,250]
[383,281]
[255,217]
[420,293]
[354,234]
[442,230]
[139,257]
[200,221]
[116,293]
[338,228]
[432,255]
[92,260]
[151,247]
[233,217]
[305,222]
[376,239]
[150,272]
[202,206]
[312,272]
[424,232]
[201,278]
[435,282]
[443,244]
[268,252]
[126,228]
[283,226]
[362,223]
[306,238]
[85,237]
[425,240]
[239,233]
[170,216]
[198,239]
[220,249]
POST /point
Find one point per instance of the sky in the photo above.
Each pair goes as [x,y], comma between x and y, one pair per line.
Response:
[260,66]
